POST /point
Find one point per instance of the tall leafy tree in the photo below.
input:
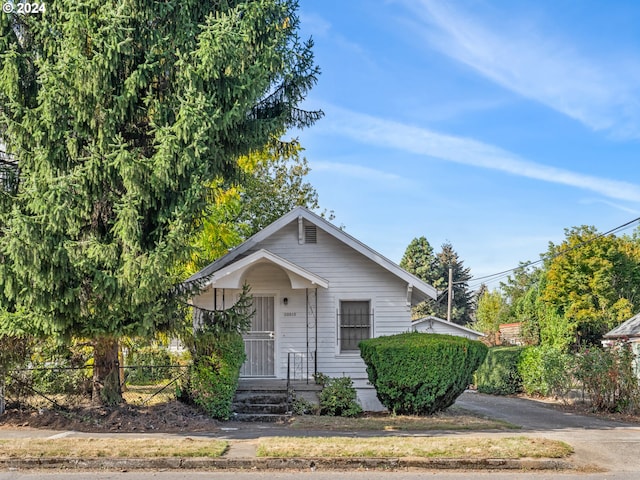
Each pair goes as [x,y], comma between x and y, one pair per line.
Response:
[592,282]
[492,311]
[276,185]
[120,115]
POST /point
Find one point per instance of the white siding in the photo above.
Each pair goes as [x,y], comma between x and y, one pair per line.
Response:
[351,276]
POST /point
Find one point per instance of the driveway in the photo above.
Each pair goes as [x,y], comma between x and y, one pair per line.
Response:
[597,442]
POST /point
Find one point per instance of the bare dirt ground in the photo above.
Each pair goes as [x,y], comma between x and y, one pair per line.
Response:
[169,417]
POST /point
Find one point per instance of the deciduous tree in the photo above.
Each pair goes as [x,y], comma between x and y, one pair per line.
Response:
[592,281]
[491,312]
[273,182]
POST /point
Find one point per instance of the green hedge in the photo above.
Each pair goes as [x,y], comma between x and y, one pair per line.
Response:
[420,373]
[499,374]
[545,370]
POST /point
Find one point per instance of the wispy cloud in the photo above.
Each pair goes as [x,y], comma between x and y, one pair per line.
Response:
[360,172]
[602,94]
[314,23]
[391,134]
[617,206]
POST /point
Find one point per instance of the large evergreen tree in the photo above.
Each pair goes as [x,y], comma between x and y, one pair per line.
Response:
[420,260]
[120,115]
[463,300]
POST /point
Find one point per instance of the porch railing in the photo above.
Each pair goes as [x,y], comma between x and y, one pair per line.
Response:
[300,366]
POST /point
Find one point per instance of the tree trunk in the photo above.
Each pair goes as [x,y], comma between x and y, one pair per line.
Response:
[106,372]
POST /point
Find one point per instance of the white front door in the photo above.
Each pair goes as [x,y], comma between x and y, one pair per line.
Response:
[259,341]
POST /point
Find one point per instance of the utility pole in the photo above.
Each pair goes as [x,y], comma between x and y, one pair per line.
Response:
[449,300]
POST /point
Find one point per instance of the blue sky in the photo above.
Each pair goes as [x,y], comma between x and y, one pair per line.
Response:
[493,125]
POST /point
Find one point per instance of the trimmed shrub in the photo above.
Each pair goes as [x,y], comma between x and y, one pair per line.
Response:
[419,373]
[338,397]
[498,374]
[545,371]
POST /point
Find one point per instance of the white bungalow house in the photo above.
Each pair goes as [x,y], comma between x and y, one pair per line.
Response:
[317,292]
[433,324]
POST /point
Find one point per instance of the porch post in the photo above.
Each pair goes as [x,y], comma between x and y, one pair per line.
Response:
[306,293]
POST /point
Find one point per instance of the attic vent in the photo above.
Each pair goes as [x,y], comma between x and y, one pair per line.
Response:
[310,234]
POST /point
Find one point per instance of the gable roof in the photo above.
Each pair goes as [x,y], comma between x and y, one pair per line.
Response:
[431,319]
[417,286]
[630,328]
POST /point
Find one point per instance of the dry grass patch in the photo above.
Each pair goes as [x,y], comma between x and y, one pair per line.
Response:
[110,447]
[149,395]
[449,420]
[385,447]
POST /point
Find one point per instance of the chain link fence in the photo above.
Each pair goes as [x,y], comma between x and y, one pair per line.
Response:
[64,387]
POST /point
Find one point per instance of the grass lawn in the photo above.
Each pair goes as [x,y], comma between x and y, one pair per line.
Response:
[111,447]
[451,419]
[426,447]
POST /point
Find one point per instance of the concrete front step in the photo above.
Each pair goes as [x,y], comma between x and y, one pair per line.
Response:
[261,402]
[260,397]
[260,417]
[267,400]
[260,408]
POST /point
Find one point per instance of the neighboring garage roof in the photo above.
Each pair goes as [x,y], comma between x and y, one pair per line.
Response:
[630,328]
[431,319]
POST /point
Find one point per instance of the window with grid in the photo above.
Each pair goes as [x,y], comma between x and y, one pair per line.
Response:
[355,324]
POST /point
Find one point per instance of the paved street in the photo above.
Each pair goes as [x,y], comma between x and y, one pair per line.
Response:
[351,475]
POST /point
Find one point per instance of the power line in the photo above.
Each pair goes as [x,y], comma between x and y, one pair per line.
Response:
[505,273]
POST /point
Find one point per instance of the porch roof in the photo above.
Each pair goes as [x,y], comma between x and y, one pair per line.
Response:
[232,275]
